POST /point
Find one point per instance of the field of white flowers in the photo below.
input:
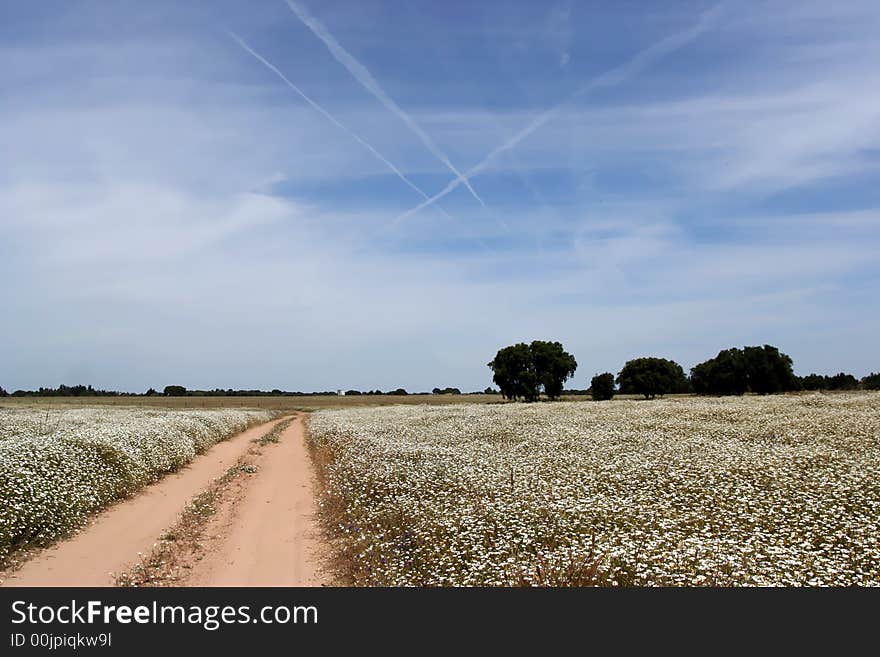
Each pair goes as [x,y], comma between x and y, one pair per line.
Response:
[58,467]
[780,490]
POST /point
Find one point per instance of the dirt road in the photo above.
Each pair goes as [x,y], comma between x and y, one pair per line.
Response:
[272,537]
[269,542]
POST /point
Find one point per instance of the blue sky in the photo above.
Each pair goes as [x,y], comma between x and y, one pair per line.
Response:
[648,179]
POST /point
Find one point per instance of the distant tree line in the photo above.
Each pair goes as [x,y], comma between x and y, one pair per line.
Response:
[66,391]
[435,391]
[167,391]
[182,391]
[525,371]
[871,382]
[840,381]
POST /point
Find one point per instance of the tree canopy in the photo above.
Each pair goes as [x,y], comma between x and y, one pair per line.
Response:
[840,381]
[602,386]
[871,382]
[553,366]
[651,377]
[762,370]
[769,370]
[522,371]
[726,374]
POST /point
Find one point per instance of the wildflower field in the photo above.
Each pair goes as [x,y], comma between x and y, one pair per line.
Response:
[778,490]
[58,467]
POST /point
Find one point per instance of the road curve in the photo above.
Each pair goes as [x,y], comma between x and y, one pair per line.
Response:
[112,540]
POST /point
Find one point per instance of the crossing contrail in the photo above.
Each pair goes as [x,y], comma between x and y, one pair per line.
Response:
[360,73]
[330,117]
[610,78]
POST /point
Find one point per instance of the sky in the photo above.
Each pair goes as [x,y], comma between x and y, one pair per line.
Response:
[313,196]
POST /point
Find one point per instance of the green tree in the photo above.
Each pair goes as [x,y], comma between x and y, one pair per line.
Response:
[726,374]
[174,391]
[3,393]
[813,382]
[842,381]
[514,372]
[651,377]
[553,366]
[769,370]
[761,370]
[871,382]
[602,386]
[522,371]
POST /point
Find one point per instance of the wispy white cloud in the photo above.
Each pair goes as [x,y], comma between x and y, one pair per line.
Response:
[366,79]
[750,141]
[329,116]
[610,78]
[95,225]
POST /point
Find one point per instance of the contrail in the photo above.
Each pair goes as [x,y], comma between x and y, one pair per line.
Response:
[610,78]
[329,116]
[366,79]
